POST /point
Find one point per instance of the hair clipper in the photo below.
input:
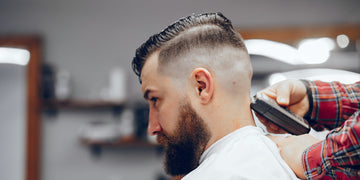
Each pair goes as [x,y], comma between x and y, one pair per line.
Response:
[281,116]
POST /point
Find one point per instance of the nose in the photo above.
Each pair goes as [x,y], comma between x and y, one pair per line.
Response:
[154,125]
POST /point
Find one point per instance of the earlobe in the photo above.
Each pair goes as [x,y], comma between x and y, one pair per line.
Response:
[203,84]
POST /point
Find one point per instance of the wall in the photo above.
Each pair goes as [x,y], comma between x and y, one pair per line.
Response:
[64,157]
[88,38]
[84,37]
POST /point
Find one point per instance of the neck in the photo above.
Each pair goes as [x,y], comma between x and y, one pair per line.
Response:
[228,115]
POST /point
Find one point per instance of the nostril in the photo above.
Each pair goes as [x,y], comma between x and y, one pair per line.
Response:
[152,131]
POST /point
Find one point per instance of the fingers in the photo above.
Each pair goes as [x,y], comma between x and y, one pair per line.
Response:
[272,137]
[283,94]
[302,141]
[280,92]
[270,91]
[289,93]
[275,138]
[291,149]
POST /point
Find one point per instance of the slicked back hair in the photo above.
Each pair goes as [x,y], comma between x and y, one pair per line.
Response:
[215,30]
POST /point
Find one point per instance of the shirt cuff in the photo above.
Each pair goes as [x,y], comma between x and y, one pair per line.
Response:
[309,93]
[312,162]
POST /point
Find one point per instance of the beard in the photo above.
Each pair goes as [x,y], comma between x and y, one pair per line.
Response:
[184,148]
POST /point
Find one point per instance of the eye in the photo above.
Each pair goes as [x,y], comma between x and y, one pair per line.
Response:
[154,100]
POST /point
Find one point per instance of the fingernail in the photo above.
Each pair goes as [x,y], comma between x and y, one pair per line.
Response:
[281,100]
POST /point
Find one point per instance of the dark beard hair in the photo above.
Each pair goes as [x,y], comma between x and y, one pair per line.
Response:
[184,148]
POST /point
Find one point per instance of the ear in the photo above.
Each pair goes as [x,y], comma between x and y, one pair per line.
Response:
[203,84]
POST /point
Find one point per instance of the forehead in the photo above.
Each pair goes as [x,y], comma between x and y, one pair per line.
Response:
[150,66]
[150,76]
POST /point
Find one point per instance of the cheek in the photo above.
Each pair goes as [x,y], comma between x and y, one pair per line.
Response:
[168,117]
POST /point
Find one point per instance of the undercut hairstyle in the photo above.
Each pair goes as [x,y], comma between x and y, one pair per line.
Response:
[205,35]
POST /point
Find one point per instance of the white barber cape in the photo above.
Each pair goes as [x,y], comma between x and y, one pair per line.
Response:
[244,154]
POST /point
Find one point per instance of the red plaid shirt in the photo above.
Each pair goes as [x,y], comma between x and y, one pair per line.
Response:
[336,106]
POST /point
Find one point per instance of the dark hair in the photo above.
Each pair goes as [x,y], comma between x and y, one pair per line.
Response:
[156,41]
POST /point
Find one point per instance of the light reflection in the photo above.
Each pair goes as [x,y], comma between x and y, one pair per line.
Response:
[315,51]
[310,51]
[275,50]
[342,40]
[14,56]
[322,74]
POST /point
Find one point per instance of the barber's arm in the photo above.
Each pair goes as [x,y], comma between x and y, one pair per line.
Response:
[336,156]
[325,105]
[332,104]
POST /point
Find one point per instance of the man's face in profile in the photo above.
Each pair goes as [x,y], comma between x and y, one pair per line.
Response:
[180,130]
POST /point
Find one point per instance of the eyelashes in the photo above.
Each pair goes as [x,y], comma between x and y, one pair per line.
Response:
[154,100]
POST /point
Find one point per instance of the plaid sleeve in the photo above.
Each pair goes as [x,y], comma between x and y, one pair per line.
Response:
[333,103]
[338,156]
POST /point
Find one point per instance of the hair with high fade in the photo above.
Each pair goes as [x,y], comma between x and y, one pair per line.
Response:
[225,35]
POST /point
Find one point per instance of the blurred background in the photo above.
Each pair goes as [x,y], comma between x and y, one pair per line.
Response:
[75,110]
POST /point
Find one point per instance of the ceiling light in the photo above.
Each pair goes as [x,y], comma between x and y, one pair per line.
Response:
[342,40]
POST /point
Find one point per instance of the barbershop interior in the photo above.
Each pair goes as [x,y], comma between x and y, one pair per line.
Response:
[72,107]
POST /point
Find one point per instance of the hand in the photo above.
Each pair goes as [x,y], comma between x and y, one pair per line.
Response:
[291,150]
[289,93]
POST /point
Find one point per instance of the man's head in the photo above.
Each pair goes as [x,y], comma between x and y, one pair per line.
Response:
[196,76]
[207,32]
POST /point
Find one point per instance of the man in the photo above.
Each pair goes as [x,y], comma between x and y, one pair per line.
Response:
[326,105]
[196,76]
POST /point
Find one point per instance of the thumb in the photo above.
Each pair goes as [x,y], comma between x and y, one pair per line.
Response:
[283,94]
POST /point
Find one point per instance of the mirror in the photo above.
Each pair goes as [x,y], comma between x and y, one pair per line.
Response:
[20,111]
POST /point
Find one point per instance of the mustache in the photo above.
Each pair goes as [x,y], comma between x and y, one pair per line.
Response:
[162,139]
